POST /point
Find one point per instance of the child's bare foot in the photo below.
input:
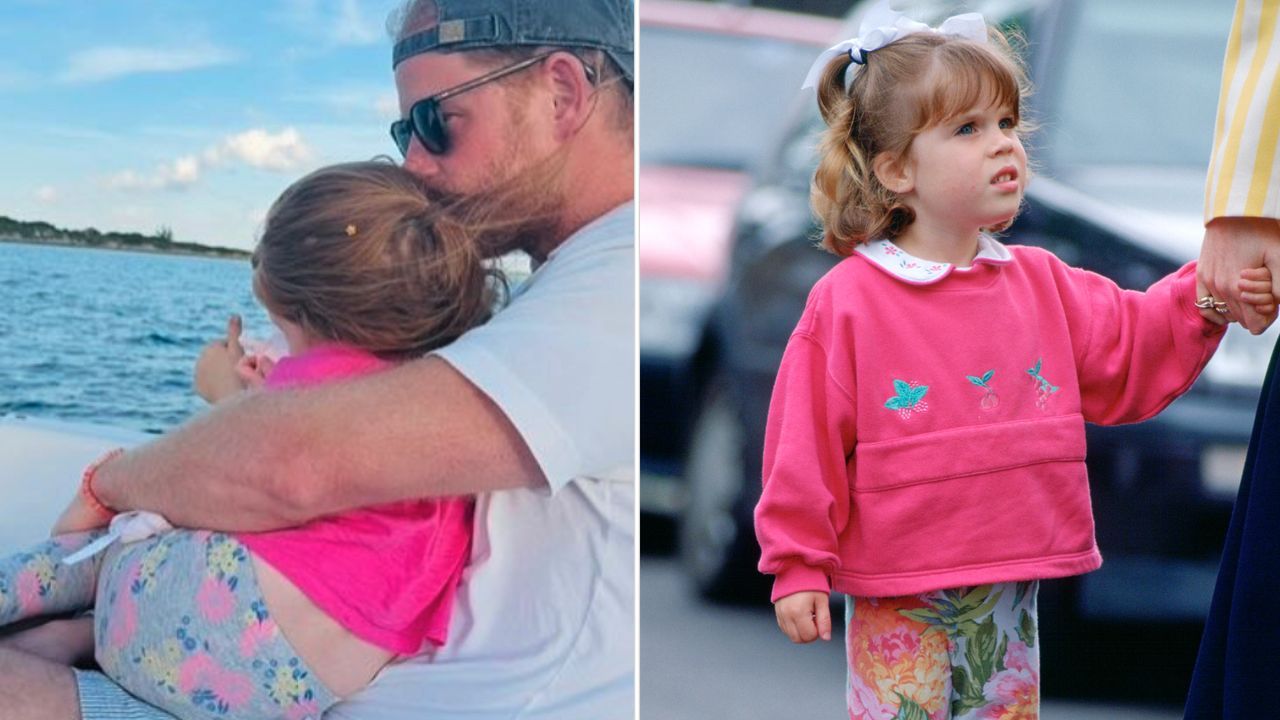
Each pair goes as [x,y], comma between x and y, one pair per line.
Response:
[65,642]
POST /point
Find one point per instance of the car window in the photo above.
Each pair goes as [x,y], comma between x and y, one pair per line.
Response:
[714,100]
[1137,83]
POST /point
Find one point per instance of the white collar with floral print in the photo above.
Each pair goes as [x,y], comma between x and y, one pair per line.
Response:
[897,262]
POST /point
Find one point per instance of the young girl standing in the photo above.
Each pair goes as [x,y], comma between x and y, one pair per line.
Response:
[925,447]
[360,267]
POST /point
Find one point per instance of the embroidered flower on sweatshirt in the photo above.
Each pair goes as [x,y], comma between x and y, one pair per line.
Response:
[909,398]
[989,398]
[1044,388]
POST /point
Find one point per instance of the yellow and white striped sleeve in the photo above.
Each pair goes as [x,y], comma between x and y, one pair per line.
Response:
[1244,172]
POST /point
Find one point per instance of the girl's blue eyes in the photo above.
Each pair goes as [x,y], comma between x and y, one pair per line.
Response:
[969,129]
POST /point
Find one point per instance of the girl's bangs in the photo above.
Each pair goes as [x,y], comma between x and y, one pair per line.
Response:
[965,76]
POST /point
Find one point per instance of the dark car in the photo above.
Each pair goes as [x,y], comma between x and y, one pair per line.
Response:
[1125,98]
[714,76]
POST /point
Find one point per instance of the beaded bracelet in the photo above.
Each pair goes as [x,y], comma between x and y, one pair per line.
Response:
[86,484]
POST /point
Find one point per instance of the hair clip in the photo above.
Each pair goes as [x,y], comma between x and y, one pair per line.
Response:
[351,230]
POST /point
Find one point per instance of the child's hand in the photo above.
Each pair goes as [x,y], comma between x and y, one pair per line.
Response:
[1256,290]
[216,375]
[254,369]
[804,616]
[78,517]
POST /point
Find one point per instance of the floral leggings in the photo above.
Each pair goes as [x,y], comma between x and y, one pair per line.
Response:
[180,623]
[962,654]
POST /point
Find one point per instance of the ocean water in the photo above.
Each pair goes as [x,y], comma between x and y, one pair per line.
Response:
[112,337]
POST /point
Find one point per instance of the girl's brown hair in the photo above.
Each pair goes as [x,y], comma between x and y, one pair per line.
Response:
[904,88]
[363,253]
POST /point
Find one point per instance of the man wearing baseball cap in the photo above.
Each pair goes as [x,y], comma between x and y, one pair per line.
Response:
[533,413]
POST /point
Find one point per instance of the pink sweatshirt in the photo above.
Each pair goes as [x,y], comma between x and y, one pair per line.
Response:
[928,433]
[387,573]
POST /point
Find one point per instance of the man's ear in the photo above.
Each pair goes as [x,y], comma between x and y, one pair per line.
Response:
[571,93]
[895,173]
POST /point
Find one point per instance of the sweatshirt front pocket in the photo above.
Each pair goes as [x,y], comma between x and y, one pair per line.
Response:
[976,450]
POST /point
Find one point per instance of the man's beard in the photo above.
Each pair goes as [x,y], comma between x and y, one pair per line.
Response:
[522,211]
[526,195]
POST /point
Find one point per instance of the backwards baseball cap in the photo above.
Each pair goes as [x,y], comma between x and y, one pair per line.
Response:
[606,25]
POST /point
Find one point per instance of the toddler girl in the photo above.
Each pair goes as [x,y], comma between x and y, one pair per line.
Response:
[925,447]
[359,267]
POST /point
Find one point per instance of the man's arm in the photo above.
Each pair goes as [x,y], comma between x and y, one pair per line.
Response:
[1240,207]
[277,459]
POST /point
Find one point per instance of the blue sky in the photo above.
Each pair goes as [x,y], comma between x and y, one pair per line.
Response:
[131,115]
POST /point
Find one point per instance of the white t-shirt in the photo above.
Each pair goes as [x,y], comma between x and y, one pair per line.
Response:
[544,619]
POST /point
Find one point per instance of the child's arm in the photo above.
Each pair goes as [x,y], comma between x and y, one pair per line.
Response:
[78,516]
[86,511]
[1135,351]
[805,502]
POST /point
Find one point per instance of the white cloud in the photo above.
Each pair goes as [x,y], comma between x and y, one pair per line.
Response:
[184,171]
[110,62]
[179,174]
[282,152]
[47,194]
[258,148]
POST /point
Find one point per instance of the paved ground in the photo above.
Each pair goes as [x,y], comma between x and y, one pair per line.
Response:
[702,662]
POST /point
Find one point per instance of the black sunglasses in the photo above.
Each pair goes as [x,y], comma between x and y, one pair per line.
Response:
[425,120]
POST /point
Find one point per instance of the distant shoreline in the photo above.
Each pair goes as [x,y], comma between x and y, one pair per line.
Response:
[150,248]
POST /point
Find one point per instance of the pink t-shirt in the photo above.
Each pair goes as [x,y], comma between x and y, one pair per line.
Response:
[388,573]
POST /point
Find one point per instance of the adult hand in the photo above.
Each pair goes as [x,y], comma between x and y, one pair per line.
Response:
[1231,245]
[216,375]
[804,616]
[1209,314]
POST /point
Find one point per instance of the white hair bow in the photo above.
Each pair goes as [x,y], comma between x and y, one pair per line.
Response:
[883,25]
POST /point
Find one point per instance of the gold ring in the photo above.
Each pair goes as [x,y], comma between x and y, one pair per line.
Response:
[1207,303]
[1221,307]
